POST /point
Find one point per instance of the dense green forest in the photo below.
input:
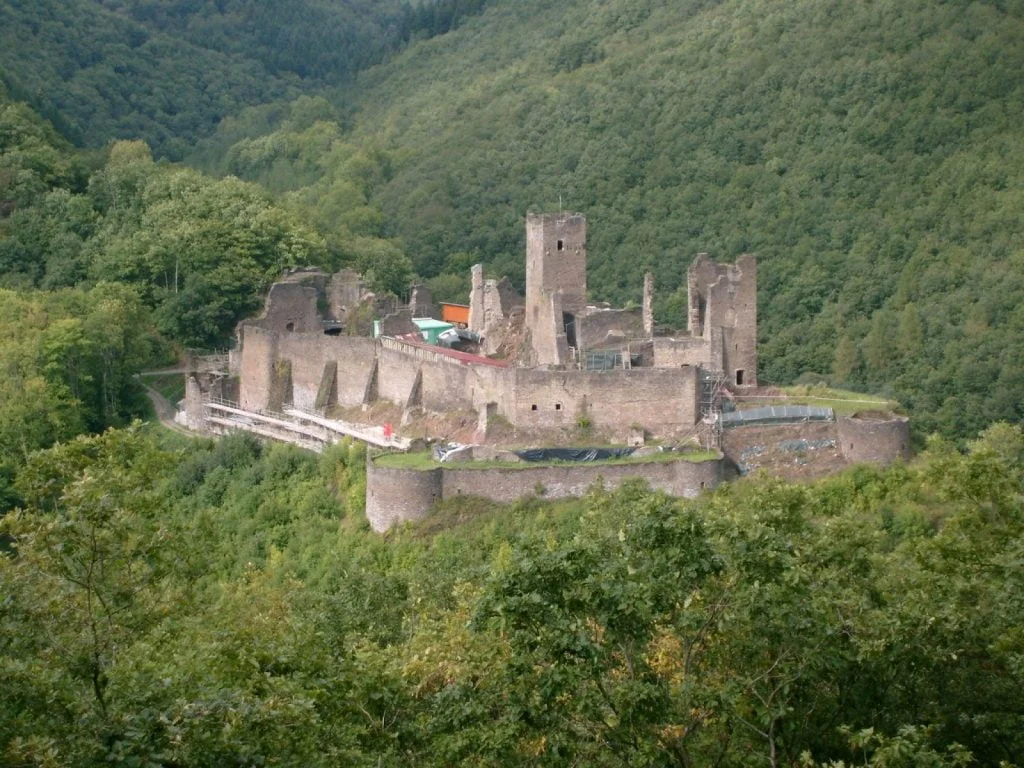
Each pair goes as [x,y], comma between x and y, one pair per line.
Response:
[173,602]
[167,71]
[201,605]
[200,252]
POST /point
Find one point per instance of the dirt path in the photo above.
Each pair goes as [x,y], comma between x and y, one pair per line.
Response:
[165,412]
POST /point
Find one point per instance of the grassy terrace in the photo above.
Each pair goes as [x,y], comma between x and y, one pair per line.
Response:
[843,402]
[425,460]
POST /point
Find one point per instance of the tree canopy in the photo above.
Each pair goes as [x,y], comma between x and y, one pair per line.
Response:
[200,604]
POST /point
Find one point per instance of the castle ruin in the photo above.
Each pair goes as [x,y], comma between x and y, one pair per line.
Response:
[544,364]
[574,361]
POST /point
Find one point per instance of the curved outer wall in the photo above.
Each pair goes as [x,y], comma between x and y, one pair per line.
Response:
[400,495]
[879,441]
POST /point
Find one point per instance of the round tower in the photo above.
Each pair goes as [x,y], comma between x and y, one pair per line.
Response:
[878,437]
[399,495]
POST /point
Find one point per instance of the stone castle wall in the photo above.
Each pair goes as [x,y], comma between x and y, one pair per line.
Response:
[403,495]
[876,437]
[291,306]
[446,387]
[309,355]
[396,375]
[723,311]
[675,353]
[399,495]
[662,399]
[494,386]
[256,367]
[605,327]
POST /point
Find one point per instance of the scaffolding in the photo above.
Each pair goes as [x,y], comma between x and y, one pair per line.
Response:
[711,384]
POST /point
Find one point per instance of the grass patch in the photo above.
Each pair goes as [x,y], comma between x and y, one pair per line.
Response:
[424,461]
[843,402]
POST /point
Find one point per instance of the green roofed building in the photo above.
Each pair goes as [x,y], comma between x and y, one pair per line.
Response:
[431,328]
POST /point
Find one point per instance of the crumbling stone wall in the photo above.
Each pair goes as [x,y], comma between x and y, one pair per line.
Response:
[674,353]
[605,328]
[345,293]
[494,387]
[398,323]
[291,307]
[723,300]
[421,302]
[499,301]
[545,331]
[662,399]
[401,495]
[874,436]
[476,299]
[310,300]
[396,375]
[556,281]
[648,305]
[308,354]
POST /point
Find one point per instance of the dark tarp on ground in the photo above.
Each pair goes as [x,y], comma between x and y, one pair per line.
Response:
[573,454]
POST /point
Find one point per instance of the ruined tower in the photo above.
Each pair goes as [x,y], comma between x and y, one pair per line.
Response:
[556,283]
[723,310]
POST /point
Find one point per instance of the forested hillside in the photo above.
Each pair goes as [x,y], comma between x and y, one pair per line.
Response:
[167,601]
[167,71]
[201,605]
[199,252]
[110,260]
[100,75]
[870,153]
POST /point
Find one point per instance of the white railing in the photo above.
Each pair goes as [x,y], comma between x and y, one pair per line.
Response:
[297,422]
[418,352]
[372,435]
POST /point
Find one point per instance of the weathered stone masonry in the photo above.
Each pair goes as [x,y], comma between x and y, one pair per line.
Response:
[568,364]
[362,369]
[292,354]
[874,436]
[404,495]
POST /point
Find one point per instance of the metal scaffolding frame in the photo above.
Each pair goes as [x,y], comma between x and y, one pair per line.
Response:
[711,385]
